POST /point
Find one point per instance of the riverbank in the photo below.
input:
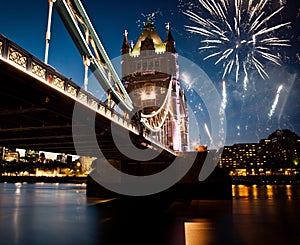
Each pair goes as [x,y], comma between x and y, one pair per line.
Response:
[34,179]
[236,180]
[266,179]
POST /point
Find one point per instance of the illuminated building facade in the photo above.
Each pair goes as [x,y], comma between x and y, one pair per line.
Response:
[240,159]
[282,151]
[150,74]
[278,154]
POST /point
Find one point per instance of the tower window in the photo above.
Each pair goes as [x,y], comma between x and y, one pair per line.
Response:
[150,64]
[144,65]
[138,66]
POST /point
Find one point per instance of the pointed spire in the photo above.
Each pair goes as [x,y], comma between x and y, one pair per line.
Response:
[125,46]
[168,26]
[170,43]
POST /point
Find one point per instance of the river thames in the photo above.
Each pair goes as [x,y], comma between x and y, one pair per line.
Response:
[42,213]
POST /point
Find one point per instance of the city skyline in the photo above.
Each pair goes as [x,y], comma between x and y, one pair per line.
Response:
[248,114]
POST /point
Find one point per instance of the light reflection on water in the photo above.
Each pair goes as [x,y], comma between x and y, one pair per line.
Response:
[260,214]
[266,191]
[61,214]
[198,231]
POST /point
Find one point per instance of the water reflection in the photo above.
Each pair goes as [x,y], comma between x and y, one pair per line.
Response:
[266,191]
[44,214]
[16,212]
[198,232]
[145,222]
[61,214]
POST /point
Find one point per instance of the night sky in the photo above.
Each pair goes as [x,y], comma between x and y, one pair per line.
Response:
[24,22]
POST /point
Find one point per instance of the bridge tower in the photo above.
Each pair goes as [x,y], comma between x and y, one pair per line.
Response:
[150,74]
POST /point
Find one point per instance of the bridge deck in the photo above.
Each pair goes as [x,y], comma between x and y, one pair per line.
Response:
[36,108]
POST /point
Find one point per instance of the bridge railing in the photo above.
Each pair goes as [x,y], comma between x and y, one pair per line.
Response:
[23,60]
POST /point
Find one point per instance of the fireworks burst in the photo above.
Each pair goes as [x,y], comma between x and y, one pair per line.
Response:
[238,35]
[149,17]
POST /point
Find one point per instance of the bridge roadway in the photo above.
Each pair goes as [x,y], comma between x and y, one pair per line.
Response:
[36,108]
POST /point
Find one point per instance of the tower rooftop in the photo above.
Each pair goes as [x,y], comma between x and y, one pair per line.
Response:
[150,33]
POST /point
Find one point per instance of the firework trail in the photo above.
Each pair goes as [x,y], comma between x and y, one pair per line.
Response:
[275,101]
[222,109]
[224,96]
[209,135]
[237,35]
[288,90]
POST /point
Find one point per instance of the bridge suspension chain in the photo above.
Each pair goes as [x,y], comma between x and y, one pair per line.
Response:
[155,121]
[90,47]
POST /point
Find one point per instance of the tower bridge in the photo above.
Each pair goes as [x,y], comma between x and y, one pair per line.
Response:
[148,98]
[147,103]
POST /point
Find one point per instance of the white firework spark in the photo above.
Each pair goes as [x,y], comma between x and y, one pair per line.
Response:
[282,2]
[238,35]
[274,105]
